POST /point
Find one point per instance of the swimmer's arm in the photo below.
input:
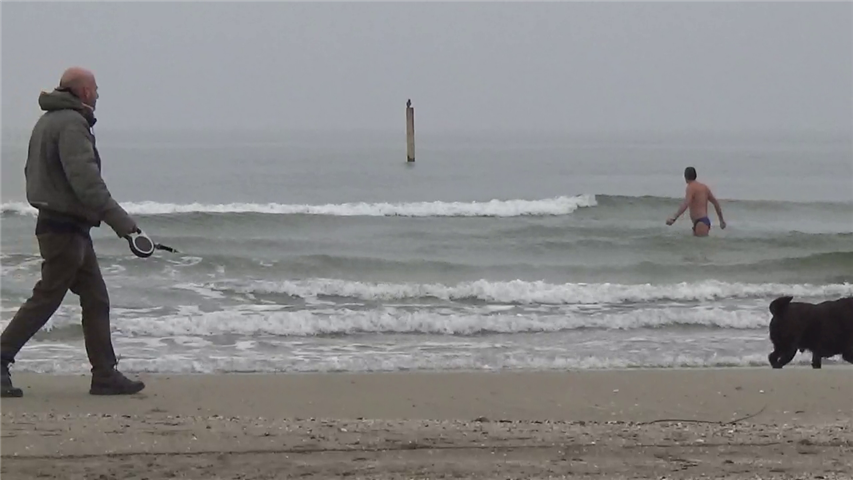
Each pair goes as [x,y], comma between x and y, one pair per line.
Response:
[717,207]
[687,199]
[681,209]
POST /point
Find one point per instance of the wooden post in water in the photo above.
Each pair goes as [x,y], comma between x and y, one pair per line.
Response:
[410,132]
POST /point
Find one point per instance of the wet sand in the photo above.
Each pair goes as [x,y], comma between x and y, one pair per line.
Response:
[674,424]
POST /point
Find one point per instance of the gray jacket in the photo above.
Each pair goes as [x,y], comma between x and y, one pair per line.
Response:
[63,169]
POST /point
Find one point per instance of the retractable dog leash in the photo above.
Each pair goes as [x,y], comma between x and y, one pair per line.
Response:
[142,246]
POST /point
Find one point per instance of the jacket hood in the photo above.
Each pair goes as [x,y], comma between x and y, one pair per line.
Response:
[65,100]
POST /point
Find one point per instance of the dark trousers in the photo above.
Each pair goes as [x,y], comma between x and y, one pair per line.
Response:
[69,263]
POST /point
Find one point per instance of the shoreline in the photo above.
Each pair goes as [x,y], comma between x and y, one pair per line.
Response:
[579,394]
[644,423]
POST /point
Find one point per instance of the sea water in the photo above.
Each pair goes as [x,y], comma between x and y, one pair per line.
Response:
[326,251]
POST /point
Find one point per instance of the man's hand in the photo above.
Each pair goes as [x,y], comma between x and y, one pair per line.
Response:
[723,224]
[671,220]
[121,223]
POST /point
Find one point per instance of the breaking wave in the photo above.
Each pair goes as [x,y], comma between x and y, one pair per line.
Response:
[493,208]
[522,292]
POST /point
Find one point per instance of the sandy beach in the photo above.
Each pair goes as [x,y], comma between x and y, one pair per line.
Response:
[674,424]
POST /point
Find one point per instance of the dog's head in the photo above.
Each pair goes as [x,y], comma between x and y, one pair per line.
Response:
[782,333]
[779,306]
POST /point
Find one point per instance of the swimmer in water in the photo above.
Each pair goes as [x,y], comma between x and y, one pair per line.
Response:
[696,197]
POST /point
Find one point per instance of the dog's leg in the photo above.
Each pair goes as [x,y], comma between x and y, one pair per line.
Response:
[773,358]
[848,355]
[816,360]
[782,358]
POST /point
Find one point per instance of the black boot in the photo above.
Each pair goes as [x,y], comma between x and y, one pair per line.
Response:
[113,382]
[8,390]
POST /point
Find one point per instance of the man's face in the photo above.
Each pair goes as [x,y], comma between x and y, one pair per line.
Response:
[90,93]
[94,95]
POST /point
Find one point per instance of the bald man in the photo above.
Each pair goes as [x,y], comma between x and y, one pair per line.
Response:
[63,177]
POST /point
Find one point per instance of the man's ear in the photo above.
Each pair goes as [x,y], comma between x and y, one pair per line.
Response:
[780,304]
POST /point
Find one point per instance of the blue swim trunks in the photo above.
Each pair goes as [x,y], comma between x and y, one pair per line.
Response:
[705,220]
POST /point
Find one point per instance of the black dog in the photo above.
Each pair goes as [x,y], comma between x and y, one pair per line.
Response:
[825,329]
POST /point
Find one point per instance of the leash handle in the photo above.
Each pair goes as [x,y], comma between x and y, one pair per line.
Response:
[142,246]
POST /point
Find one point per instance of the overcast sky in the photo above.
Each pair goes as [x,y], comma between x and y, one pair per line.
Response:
[559,66]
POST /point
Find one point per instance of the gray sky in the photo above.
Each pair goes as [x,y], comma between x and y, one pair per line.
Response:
[558,66]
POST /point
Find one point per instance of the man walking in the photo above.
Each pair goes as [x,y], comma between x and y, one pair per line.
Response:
[63,178]
[697,196]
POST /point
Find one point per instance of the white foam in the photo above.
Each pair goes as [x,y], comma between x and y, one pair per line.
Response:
[185,261]
[252,321]
[114,269]
[524,292]
[495,208]
[28,264]
[201,290]
[74,361]
[191,341]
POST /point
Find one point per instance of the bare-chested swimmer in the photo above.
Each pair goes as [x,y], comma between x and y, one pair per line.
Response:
[696,198]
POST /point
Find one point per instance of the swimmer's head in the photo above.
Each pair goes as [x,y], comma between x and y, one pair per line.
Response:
[690,174]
